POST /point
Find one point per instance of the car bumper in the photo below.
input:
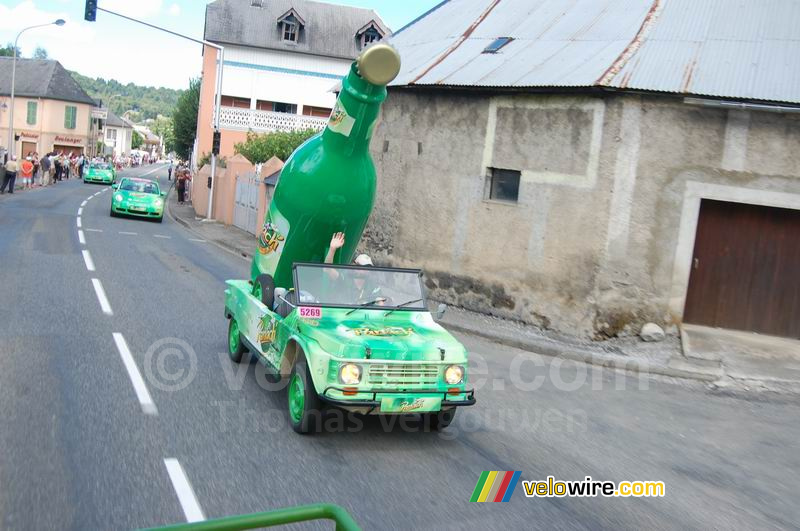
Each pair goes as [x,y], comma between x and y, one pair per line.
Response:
[103,180]
[397,401]
[128,211]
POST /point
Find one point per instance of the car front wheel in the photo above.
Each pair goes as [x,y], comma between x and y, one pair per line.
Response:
[235,347]
[305,408]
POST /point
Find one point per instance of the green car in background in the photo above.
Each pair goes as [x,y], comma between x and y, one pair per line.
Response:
[355,338]
[100,172]
[138,197]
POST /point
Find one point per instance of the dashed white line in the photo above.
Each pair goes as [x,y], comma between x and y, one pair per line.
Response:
[101,297]
[162,236]
[79,221]
[80,211]
[145,400]
[94,230]
[186,497]
[81,237]
[130,233]
[84,203]
[151,171]
[196,240]
[88,259]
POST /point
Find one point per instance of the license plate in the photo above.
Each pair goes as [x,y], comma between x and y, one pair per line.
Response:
[138,209]
[410,404]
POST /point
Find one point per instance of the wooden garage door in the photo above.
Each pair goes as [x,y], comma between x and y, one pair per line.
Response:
[746,269]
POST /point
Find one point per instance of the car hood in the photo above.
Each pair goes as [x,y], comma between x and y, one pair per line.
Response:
[138,196]
[401,336]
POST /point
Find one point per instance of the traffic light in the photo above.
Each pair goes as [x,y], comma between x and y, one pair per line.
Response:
[215,144]
[91,10]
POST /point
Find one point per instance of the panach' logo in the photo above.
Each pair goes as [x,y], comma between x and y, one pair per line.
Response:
[270,239]
[266,331]
[388,331]
[416,404]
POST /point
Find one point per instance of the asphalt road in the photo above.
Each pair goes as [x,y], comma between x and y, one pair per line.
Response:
[84,447]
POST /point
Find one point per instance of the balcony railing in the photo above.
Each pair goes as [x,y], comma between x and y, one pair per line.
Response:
[267,121]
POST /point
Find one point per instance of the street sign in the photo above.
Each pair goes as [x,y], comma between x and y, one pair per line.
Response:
[100,114]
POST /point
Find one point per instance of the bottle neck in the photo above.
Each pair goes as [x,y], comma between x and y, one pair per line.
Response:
[352,121]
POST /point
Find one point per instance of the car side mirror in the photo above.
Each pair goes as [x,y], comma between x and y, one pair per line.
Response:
[163,194]
[115,186]
[440,311]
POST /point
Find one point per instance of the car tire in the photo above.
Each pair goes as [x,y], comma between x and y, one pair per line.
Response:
[236,348]
[304,405]
[264,290]
[161,218]
[439,421]
[113,214]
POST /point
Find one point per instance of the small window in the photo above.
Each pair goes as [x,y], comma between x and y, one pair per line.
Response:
[320,112]
[290,108]
[233,101]
[504,185]
[70,116]
[289,31]
[370,36]
[32,108]
[263,105]
[497,44]
[111,134]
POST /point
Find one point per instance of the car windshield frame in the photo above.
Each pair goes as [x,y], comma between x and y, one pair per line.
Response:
[100,166]
[143,181]
[388,307]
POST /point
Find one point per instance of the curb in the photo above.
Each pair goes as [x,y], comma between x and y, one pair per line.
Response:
[549,348]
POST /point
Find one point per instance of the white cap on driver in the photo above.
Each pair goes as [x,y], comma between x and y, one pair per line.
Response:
[363,260]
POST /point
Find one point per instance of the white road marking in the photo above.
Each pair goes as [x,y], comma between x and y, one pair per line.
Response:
[80,211]
[79,222]
[101,297]
[151,171]
[81,237]
[186,497]
[84,203]
[95,195]
[130,233]
[94,230]
[196,240]
[162,236]
[145,400]
[88,259]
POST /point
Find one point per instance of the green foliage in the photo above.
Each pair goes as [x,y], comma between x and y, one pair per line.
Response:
[149,102]
[164,128]
[205,158]
[8,50]
[40,53]
[260,148]
[184,120]
[136,140]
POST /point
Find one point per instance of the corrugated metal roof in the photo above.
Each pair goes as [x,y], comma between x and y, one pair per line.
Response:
[728,48]
[329,30]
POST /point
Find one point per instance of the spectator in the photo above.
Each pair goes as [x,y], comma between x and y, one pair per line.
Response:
[45,164]
[11,175]
[26,169]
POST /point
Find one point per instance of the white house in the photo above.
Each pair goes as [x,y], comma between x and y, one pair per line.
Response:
[117,135]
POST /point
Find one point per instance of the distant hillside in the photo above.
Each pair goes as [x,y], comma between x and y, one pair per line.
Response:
[148,101]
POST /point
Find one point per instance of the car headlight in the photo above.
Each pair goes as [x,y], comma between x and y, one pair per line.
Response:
[118,197]
[349,374]
[454,374]
[158,202]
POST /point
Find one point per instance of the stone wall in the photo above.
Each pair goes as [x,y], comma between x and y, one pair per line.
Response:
[590,247]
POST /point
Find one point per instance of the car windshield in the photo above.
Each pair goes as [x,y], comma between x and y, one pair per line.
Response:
[100,166]
[145,187]
[355,286]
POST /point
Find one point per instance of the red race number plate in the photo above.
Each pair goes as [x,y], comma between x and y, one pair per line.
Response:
[310,313]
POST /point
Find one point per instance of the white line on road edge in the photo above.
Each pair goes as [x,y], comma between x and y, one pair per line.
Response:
[84,203]
[79,222]
[191,508]
[162,236]
[130,233]
[146,401]
[101,297]
[196,240]
[88,259]
[81,237]
[94,230]
[80,211]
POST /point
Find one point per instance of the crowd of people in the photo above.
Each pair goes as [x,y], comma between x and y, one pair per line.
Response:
[34,171]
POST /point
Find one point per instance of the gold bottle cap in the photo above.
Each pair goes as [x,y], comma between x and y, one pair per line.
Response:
[379,64]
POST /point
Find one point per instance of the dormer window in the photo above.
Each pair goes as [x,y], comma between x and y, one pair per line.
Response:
[291,23]
[370,33]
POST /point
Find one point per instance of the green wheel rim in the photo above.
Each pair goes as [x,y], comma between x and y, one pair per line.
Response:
[297,398]
[233,337]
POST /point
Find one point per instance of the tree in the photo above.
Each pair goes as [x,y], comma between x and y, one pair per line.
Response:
[184,120]
[40,53]
[8,51]
[136,140]
[164,127]
[261,148]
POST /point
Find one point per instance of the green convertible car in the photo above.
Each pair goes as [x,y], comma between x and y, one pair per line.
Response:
[138,197]
[356,338]
[100,172]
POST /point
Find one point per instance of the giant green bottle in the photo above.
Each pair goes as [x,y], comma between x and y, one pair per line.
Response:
[328,183]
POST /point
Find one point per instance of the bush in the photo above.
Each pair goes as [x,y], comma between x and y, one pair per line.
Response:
[205,158]
[260,148]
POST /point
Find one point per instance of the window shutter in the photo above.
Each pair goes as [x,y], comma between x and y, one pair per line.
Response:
[32,107]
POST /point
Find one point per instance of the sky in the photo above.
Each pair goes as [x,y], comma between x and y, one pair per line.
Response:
[114,48]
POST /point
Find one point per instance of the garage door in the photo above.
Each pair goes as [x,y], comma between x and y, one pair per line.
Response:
[746,269]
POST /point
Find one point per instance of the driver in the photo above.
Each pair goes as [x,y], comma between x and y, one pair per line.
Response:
[359,289]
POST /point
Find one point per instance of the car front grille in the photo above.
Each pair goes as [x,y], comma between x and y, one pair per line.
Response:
[399,375]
